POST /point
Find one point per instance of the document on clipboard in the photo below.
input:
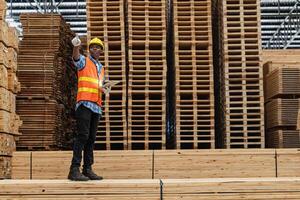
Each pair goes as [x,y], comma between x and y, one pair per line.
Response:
[110,84]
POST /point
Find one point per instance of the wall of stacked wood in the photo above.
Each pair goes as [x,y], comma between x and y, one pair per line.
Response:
[48,83]
[106,21]
[9,87]
[228,71]
[282,98]
[144,78]
[243,75]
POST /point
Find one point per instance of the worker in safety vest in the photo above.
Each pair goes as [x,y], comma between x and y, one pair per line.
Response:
[88,108]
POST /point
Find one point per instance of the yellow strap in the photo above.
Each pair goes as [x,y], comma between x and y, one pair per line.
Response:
[86,89]
[88,79]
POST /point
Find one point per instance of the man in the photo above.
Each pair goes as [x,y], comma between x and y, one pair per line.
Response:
[88,108]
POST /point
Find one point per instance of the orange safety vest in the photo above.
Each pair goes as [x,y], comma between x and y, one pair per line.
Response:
[89,83]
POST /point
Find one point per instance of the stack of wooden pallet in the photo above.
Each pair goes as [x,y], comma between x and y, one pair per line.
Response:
[243,75]
[9,86]
[48,81]
[106,21]
[194,74]
[147,74]
[282,97]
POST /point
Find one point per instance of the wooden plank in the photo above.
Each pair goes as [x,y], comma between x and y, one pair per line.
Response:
[232,189]
[131,164]
[64,189]
[5,167]
[21,165]
[214,163]
[288,162]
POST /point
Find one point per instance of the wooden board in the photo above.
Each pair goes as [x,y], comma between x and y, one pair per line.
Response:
[7,144]
[232,189]
[288,162]
[5,167]
[154,164]
[21,165]
[43,165]
[214,163]
[64,189]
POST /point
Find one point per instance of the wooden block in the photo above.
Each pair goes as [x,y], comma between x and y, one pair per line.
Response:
[232,189]
[13,38]
[4,57]
[12,59]
[5,167]
[7,144]
[64,189]
[240,163]
[3,76]
[4,99]
[21,165]
[13,83]
[5,121]
[288,162]
[4,32]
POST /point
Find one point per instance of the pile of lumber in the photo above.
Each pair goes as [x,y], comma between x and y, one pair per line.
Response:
[282,97]
[169,189]
[48,82]
[143,164]
[9,87]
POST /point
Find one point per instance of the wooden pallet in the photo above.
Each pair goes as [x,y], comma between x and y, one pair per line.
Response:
[194,88]
[242,75]
[105,20]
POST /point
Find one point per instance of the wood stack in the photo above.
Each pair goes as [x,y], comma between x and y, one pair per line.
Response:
[143,164]
[194,75]
[106,21]
[48,82]
[147,74]
[282,97]
[9,86]
[242,78]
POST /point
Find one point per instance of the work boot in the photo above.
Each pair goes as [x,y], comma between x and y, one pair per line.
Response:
[88,172]
[75,175]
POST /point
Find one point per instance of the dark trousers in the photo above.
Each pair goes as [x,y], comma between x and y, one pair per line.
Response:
[87,123]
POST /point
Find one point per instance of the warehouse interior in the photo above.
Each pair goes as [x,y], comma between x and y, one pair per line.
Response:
[206,105]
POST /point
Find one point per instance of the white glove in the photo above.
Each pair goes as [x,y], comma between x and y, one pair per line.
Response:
[76,41]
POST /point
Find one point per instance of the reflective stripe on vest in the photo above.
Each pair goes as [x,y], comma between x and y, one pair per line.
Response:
[89,84]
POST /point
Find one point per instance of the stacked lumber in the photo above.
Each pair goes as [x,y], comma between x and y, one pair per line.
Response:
[48,82]
[105,20]
[147,74]
[194,75]
[9,87]
[169,189]
[282,97]
[141,164]
[242,77]
[232,189]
